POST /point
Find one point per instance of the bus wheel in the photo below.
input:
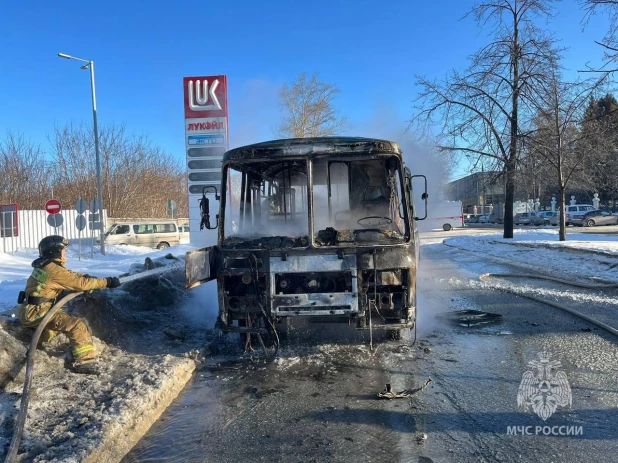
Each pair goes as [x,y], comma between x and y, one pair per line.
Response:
[446,227]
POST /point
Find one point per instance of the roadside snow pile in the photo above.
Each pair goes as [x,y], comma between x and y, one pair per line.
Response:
[83,418]
[11,353]
[151,347]
[584,255]
[588,242]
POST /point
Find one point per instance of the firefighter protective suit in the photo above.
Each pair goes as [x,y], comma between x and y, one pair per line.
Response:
[43,288]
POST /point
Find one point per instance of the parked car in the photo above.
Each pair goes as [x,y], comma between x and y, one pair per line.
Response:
[575,210]
[527,218]
[592,218]
[493,218]
[546,216]
[555,219]
[474,218]
[484,218]
[158,234]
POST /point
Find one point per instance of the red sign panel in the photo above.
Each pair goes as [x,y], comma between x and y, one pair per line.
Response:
[205,96]
[53,206]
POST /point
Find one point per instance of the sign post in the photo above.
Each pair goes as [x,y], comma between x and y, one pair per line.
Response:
[172,208]
[92,219]
[80,221]
[53,208]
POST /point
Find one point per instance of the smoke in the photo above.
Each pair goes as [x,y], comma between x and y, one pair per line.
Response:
[419,157]
[202,305]
[253,110]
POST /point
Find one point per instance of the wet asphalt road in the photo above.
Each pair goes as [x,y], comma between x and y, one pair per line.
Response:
[319,402]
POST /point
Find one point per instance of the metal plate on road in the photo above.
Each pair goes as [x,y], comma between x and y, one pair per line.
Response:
[55,220]
[80,222]
[81,205]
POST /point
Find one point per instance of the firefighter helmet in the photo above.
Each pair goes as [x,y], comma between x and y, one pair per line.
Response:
[52,246]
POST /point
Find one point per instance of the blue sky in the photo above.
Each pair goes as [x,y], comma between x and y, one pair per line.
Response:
[142,50]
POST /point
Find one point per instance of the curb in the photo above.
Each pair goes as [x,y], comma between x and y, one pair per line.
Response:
[121,436]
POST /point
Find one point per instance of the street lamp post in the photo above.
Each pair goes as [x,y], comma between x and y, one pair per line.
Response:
[90,64]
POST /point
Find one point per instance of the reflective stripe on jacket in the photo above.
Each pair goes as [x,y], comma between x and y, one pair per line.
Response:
[49,278]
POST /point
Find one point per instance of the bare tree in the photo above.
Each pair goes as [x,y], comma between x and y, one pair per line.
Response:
[25,175]
[556,136]
[601,129]
[309,111]
[478,113]
[138,177]
[609,42]
[535,177]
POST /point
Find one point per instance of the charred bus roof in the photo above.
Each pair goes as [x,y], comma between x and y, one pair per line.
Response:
[310,147]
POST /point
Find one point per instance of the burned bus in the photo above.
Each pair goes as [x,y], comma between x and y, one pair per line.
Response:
[313,227]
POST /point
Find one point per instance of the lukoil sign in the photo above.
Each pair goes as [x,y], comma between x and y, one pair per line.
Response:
[205,96]
[206,139]
[206,125]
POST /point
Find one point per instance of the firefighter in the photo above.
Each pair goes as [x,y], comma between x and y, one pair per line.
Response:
[43,288]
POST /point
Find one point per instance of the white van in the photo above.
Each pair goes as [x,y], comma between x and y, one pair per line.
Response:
[573,210]
[158,234]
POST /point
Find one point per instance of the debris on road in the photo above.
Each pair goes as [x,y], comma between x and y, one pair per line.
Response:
[387,393]
[471,317]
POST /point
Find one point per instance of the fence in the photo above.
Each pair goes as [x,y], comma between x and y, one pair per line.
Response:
[33,227]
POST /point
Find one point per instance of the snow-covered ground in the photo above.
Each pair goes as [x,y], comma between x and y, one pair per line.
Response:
[586,255]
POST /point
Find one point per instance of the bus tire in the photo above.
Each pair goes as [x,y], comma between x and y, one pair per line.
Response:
[447,227]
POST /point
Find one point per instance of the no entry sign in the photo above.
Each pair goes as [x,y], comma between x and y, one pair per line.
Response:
[53,206]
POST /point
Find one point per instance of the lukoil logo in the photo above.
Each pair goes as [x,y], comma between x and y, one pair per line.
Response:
[208,125]
[198,99]
[544,388]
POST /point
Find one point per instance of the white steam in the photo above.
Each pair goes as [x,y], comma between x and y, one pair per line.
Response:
[419,158]
[202,307]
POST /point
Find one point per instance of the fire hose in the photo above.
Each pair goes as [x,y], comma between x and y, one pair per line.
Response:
[25,397]
[607,285]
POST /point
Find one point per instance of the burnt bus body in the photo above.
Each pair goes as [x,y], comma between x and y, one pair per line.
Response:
[316,227]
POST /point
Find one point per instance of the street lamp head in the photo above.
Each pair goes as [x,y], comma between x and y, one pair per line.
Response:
[85,66]
[63,55]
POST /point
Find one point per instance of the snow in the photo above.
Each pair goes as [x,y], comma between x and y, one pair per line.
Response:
[583,255]
[142,375]
[16,268]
